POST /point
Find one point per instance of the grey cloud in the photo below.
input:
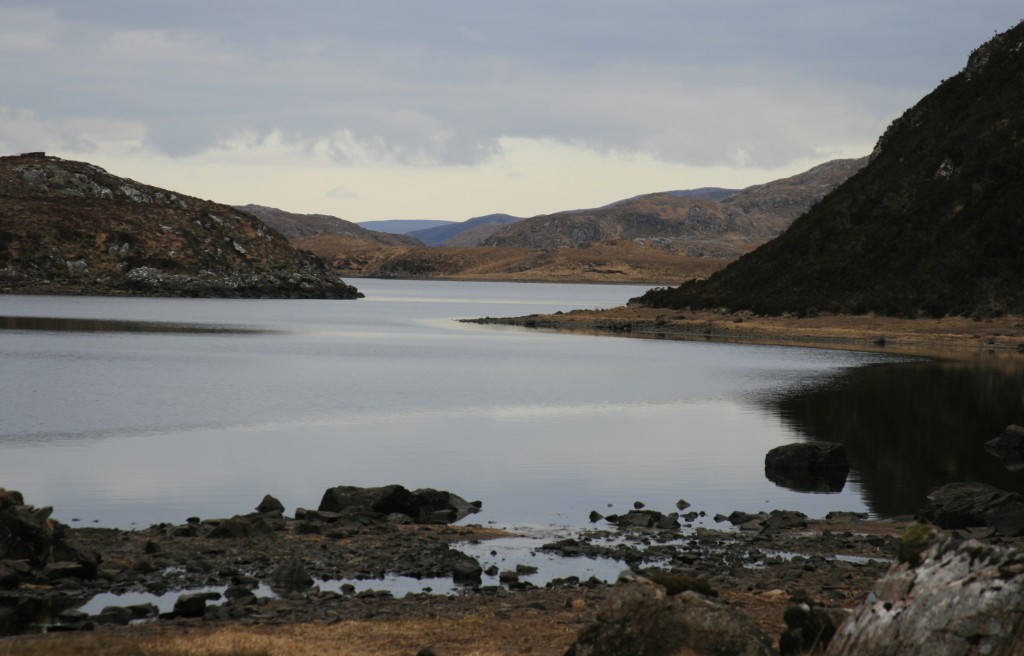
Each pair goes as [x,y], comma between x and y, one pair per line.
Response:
[443,82]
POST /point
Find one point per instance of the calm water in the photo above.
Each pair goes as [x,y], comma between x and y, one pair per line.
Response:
[136,411]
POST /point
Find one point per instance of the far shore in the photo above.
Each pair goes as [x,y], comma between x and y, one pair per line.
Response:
[947,337]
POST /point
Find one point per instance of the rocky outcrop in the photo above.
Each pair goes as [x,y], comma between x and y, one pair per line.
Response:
[962,598]
[72,228]
[34,548]
[641,618]
[963,505]
[424,506]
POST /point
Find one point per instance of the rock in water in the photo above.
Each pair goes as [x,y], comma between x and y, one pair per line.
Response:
[963,598]
[808,456]
[640,618]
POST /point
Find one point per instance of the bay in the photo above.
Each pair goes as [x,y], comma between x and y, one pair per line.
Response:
[127,412]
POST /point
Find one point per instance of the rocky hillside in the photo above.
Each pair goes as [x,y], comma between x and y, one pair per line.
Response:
[695,224]
[72,228]
[933,225]
[293,225]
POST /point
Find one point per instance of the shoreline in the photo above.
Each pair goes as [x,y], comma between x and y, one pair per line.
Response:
[948,337]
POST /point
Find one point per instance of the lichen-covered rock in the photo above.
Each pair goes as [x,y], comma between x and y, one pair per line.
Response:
[641,618]
[962,598]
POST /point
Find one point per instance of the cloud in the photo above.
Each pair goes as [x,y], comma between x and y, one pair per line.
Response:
[408,83]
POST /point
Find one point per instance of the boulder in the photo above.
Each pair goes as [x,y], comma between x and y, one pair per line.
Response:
[961,597]
[291,576]
[270,505]
[424,506]
[807,456]
[641,618]
[383,500]
[28,534]
[783,519]
[963,505]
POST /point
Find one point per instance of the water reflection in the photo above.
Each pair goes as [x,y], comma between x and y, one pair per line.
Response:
[912,427]
[67,324]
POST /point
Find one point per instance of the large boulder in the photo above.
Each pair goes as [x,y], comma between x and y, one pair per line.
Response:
[807,456]
[641,618]
[959,598]
[425,506]
[963,505]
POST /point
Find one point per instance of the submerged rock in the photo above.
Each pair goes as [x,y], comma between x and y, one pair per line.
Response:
[961,598]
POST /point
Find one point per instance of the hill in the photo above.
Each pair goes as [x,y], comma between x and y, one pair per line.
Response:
[293,225]
[465,233]
[932,225]
[402,226]
[695,223]
[651,239]
[70,227]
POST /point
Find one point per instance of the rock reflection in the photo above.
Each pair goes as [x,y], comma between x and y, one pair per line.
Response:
[817,482]
[69,324]
[910,428]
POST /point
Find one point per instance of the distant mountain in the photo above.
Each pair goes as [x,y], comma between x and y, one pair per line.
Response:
[690,222]
[402,226]
[932,225]
[70,227]
[478,228]
[293,225]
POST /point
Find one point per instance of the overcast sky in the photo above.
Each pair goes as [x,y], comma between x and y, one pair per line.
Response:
[457,108]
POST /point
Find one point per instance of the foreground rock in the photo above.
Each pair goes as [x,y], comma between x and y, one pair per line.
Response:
[962,598]
[641,618]
[34,549]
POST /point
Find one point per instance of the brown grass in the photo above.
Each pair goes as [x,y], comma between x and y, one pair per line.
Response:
[525,632]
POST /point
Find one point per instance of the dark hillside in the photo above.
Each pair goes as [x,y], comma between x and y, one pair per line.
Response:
[934,224]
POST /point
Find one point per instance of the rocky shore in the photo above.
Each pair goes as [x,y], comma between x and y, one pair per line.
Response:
[868,332]
[317,580]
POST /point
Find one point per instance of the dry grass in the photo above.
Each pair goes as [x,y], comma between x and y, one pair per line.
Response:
[533,633]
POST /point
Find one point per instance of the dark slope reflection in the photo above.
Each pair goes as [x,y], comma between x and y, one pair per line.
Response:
[64,324]
[909,428]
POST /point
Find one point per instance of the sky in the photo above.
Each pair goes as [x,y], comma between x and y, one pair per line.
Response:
[407,109]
